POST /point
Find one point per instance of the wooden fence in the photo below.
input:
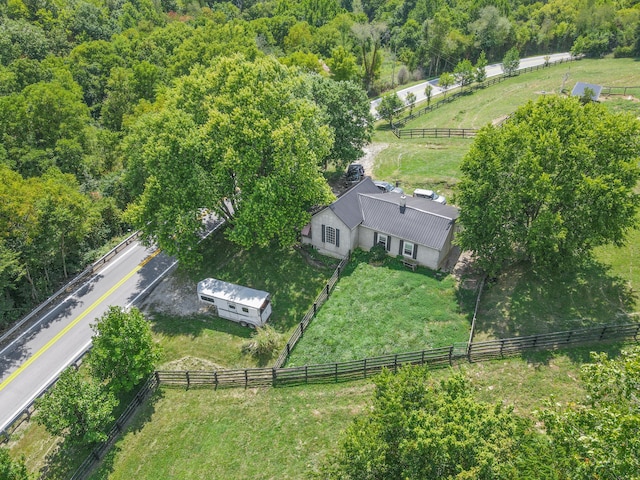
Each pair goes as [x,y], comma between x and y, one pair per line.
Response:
[620,91]
[362,369]
[450,96]
[306,320]
[436,132]
[102,449]
[355,370]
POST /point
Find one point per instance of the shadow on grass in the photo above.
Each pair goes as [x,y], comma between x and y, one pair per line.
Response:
[283,272]
[62,463]
[524,302]
[577,354]
[194,325]
[141,417]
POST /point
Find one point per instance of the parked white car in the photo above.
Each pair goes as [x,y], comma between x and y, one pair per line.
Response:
[429,195]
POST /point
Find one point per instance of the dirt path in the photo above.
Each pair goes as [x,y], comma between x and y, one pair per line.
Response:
[370,153]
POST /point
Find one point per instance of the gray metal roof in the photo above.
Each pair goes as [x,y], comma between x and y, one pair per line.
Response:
[578,90]
[347,207]
[423,222]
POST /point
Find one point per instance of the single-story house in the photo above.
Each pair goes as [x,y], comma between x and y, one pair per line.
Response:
[419,229]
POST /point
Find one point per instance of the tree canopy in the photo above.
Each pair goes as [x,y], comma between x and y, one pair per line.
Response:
[79,409]
[420,428]
[598,437]
[123,352]
[241,139]
[555,181]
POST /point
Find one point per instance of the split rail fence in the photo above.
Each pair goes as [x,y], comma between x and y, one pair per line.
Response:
[362,369]
[450,96]
[311,313]
[356,370]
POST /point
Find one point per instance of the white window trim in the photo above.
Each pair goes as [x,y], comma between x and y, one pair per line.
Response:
[404,249]
[330,234]
[385,244]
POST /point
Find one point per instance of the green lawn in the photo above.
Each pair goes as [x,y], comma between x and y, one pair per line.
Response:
[382,309]
[285,432]
[205,341]
[434,163]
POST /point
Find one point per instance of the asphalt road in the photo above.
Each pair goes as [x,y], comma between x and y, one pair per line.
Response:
[34,360]
[492,71]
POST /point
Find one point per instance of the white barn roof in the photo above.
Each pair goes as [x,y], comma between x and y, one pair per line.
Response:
[232,292]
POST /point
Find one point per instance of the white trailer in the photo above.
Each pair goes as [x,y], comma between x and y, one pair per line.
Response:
[247,306]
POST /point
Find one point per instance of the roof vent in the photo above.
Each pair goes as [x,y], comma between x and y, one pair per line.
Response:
[403,203]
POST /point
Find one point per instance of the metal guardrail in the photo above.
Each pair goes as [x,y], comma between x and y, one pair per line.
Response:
[26,413]
[90,270]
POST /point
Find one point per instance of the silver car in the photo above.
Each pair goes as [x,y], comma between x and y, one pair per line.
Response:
[429,195]
[386,187]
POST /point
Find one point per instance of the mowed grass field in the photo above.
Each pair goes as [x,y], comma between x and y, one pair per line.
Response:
[382,309]
[285,433]
[434,163]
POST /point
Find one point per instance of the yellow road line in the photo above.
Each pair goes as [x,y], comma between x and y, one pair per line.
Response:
[75,321]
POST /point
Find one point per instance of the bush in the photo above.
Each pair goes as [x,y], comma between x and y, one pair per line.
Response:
[623,52]
[265,342]
[378,253]
[403,75]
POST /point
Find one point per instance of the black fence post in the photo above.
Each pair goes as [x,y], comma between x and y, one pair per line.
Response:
[451,355]
[273,377]
[246,378]
[336,372]
[215,380]
[327,290]
[301,329]
[315,308]
[364,366]
[188,379]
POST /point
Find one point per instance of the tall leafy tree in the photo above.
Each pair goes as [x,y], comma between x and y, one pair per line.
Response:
[511,62]
[445,81]
[551,184]
[123,351]
[410,101]
[78,409]
[369,38]
[418,428]
[389,107]
[598,437]
[343,64]
[481,68]
[491,31]
[464,73]
[240,138]
[348,112]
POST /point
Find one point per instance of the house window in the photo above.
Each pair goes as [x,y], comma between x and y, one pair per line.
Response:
[245,309]
[232,307]
[331,235]
[383,240]
[408,249]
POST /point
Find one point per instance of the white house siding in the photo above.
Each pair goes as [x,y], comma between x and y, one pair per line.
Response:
[328,218]
[428,257]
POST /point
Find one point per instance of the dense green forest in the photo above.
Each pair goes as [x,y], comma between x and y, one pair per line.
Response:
[108,108]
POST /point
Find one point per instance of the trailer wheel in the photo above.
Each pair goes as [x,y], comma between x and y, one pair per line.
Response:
[243,324]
